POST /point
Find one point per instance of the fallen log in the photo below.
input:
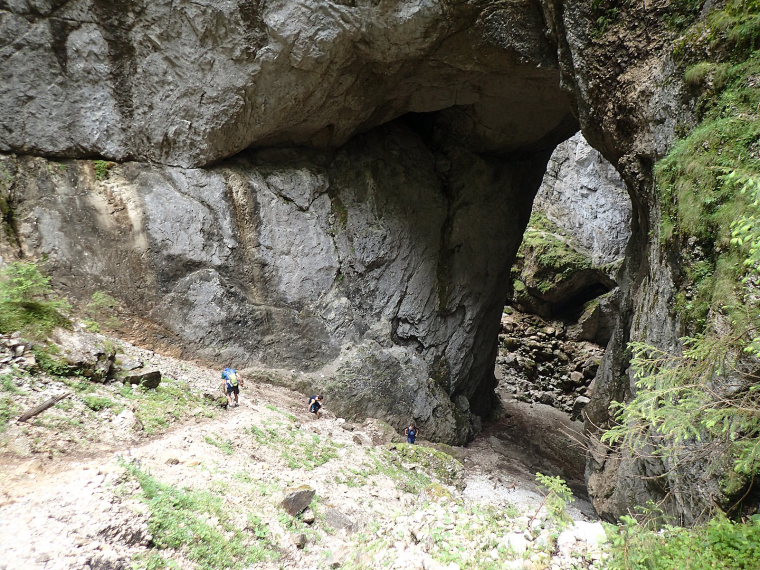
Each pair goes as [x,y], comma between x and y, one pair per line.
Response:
[30,413]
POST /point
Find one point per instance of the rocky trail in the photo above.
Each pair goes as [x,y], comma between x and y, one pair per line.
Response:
[378,503]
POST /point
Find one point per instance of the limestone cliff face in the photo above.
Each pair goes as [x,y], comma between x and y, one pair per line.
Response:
[378,259]
[585,197]
[190,83]
[366,265]
[335,187]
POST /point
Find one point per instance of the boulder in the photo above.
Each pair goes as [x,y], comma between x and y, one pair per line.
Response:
[84,353]
[578,405]
[297,500]
[597,320]
[149,379]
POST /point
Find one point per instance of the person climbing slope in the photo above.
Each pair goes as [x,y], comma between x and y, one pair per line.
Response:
[315,404]
[411,433]
[232,385]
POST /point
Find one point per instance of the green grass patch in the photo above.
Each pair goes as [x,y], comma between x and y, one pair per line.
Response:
[8,384]
[170,402]
[414,468]
[98,403]
[299,450]
[78,384]
[28,303]
[199,525]
[8,410]
[48,360]
[153,561]
[226,445]
[102,168]
[288,415]
[719,544]
[700,201]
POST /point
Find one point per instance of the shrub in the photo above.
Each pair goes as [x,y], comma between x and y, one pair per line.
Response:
[97,403]
[103,168]
[719,544]
[27,302]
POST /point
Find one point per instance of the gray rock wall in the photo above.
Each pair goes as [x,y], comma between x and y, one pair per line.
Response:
[584,195]
[377,260]
[368,267]
[189,83]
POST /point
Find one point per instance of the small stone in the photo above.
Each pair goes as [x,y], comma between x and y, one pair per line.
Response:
[172,461]
[578,405]
[339,521]
[297,499]
[308,516]
[298,540]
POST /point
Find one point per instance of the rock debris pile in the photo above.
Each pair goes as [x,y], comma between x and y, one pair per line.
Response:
[538,362]
[15,352]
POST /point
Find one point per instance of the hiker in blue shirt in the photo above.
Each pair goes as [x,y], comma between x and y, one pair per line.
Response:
[411,433]
[232,384]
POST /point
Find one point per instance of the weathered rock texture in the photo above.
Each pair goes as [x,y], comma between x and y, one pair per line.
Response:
[629,97]
[584,195]
[190,83]
[377,261]
[368,264]
[379,258]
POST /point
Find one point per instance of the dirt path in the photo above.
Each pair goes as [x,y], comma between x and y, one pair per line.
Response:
[84,513]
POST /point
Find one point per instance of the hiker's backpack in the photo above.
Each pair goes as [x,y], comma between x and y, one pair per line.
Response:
[230,376]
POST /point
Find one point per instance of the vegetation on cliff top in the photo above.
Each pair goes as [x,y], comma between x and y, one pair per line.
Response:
[545,258]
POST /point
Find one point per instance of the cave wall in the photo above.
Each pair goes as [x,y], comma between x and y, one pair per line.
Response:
[331,188]
[585,197]
[630,99]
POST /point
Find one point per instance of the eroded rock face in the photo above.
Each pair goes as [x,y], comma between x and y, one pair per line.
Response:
[376,261]
[387,249]
[370,267]
[190,83]
[584,195]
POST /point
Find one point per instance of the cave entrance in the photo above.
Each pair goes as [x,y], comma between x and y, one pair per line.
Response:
[561,308]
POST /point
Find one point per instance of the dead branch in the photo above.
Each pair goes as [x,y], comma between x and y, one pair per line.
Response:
[30,413]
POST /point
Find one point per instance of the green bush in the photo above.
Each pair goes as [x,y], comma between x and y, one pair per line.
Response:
[27,302]
[103,168]
[297,449]
[48,361]
[719,544]
[97,403]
